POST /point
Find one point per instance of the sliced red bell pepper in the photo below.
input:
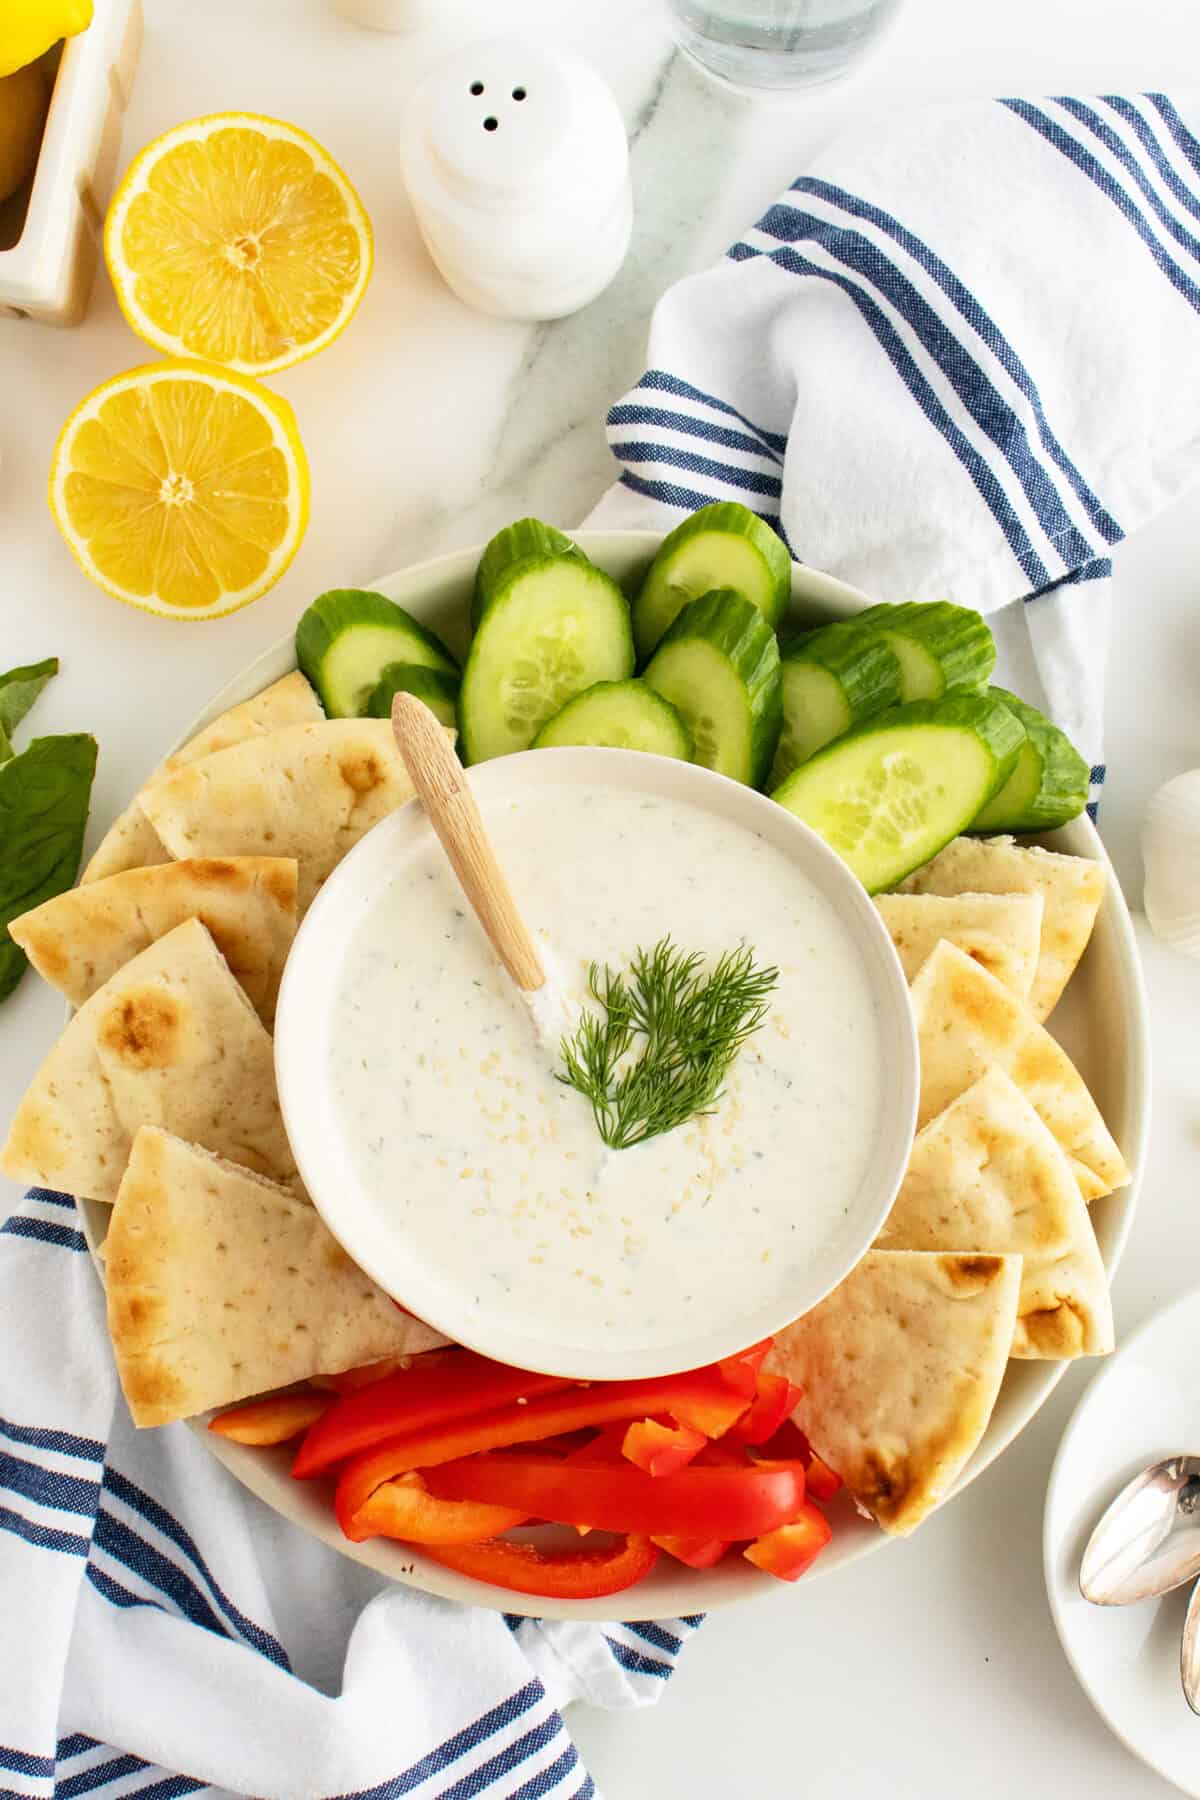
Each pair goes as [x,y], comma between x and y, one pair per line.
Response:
[441,1385]
[697,1553]
[724,1503]
[789,1443]
[660,1449]
[776,1400]
[271,1421]
[697,1396]
[741,1371]
[561,1574]
[819,1479]
[787,1552]
[405,1509]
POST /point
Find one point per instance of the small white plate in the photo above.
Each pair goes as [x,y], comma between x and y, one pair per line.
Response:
[1144,1404]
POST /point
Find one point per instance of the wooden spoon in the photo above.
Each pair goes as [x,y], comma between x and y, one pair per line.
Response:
[441,783]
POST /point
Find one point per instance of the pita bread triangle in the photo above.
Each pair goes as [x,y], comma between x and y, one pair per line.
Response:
[966,1021]
[900,1367]
[987,1175]
[170,1040]
[221,1285]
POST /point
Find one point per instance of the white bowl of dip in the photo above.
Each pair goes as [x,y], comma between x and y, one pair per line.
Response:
[425,1109]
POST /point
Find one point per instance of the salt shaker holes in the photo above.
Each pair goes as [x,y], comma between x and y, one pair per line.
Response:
[477,88]
[490,124]
[519,93]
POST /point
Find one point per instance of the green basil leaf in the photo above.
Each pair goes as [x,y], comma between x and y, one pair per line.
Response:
[19,689]
[44,797]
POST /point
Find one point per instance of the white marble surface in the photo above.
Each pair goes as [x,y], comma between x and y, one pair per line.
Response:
[933,1665]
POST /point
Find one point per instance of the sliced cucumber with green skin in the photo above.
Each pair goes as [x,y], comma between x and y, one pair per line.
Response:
[438,690]
[346,639]
[721,546]
[941,648]
[832,679]
[551,629]
[718,665]
[518,542]
[619,715]
[1050,783]
[890,794]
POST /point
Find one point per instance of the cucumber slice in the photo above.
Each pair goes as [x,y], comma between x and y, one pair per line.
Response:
[525,538]
[1050,783]
[721,546]
[552,628]
[719,666]
[623,715]
[438,690]
[941,648]
[889,795]
[832,678]
[346,639]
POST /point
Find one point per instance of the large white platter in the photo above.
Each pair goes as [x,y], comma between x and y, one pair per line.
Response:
[1102,1023]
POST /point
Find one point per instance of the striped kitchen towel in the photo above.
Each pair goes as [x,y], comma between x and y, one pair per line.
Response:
[163,1634]
[959,359]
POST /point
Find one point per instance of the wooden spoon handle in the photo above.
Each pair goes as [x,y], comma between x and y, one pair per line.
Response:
[440,780]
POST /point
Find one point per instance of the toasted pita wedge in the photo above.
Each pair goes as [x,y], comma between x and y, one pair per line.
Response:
[221,1284]
[900,1368]
[308,791]
[131,842]
[170,1040]
[1072,888]
[248,903]
[1002,932]
[987,1175]
[966,1021]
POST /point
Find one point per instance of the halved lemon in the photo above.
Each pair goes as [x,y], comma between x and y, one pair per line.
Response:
[181,488]
[238,239]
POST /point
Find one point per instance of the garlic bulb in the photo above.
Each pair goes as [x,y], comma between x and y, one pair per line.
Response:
[1171,854]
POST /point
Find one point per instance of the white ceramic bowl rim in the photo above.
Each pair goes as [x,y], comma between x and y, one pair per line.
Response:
[311,995]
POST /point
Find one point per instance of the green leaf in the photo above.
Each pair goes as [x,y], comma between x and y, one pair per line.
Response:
[691,1023]
[18,691]
[44,796]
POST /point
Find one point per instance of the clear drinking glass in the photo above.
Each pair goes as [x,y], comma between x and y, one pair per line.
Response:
[778,43]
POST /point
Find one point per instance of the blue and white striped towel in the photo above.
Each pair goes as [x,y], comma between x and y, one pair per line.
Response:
[959,359]
[163,1634]
[1029,276]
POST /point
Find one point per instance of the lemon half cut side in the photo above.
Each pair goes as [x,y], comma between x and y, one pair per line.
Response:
[238,239]
[181,488]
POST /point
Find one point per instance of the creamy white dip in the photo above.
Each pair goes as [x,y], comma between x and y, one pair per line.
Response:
[444,1084]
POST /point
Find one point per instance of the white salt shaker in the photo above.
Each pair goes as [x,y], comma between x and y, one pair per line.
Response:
[517,166]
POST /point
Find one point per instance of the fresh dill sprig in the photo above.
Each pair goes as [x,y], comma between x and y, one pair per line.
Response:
[683,1024]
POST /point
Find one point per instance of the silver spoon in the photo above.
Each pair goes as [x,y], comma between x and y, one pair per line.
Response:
[1189,1652]
[1148,1541]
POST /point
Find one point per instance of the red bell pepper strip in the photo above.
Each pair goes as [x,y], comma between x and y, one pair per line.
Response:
[697,1553]
[776,1400]
[741,1371]
[406,1509]
[794,1547]
[660,1449]
[561,1574]
[790,1443]
[441,1385]
[724,1503]
[271,1421]
[701,1394]
[820,1480]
